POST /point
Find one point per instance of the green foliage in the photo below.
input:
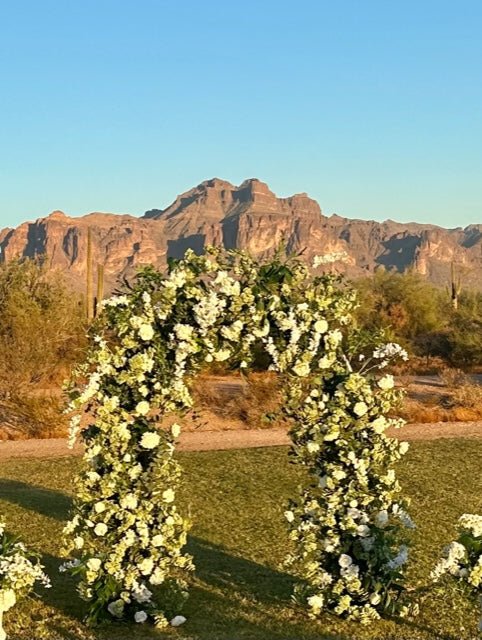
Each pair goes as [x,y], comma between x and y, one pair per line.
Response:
[41,327]
[42,333]
[420,316]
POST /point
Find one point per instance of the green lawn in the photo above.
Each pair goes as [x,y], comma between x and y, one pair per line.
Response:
[239,541]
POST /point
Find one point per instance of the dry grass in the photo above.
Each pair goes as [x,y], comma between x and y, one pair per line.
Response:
[250,402]
[32,416]
[452,397]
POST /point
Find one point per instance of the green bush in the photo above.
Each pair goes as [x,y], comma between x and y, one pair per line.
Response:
[42,334]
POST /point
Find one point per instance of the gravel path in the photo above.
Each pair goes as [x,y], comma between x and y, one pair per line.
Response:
[239,439]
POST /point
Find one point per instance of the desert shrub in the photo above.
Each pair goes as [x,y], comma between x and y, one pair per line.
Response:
[252,400]
[42,333]
[453,377]
[405,303]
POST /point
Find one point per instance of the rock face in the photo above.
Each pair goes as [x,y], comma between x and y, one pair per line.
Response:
[248,217]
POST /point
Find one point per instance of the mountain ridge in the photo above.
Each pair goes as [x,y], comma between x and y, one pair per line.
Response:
[251,217]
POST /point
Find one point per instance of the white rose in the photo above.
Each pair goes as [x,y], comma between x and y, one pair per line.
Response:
[99,507]
[360,409]
[183,331]
[140,616]
[386,382]
[150,440]
[222,354]
[100,529]
[157,540]
[93,564]
[321,326]
[146,566]
[146,332]
[142,408]
[344,560]
[78,542]
[363,530]
[290,516]
[379,424]
[129,501]
[325,363]
[177,621]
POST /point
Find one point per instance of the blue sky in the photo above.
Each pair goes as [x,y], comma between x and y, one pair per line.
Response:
[374,108]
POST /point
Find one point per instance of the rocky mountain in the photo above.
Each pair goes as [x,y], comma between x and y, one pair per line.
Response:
[250,217]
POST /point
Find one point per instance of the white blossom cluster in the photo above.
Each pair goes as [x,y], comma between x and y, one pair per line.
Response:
[346,524]
[462,558]
[127,533]
[19,571]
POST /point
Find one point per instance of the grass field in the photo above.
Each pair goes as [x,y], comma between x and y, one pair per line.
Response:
[239,541]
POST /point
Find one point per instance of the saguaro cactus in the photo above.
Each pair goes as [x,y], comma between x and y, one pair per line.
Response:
[100,287]
[455,287]
[88,290]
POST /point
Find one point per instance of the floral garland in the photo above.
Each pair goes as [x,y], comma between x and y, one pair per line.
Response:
[348,524]
[126,531]
[462,558]
[20,570]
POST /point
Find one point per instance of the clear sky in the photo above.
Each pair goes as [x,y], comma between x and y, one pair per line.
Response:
[373,107]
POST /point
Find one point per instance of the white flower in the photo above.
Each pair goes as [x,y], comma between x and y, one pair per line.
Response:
[221,355]
[94,564]
[99,507]
[157,540]
[78,542]
[177,621]
[381,519]
[302,369]
[142,408]
[129,501]
[321,326]
[146,566]
[387,382]
[290,516]
[403,447]
[345,560]
[150,440]
[146,332]
[316,602]
[168,495]
[183,331]
[363,530]
[140,616]
[176,430]
[116,608]
[360,409]
[379,425]
[7,599]
[100,529]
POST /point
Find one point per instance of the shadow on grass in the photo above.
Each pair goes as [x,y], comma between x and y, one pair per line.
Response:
[221,570]
[231,598]
[47,502]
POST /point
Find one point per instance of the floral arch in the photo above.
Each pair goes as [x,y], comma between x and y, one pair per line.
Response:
[346,525]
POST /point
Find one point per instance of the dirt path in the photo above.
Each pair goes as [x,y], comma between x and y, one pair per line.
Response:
[239,439]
